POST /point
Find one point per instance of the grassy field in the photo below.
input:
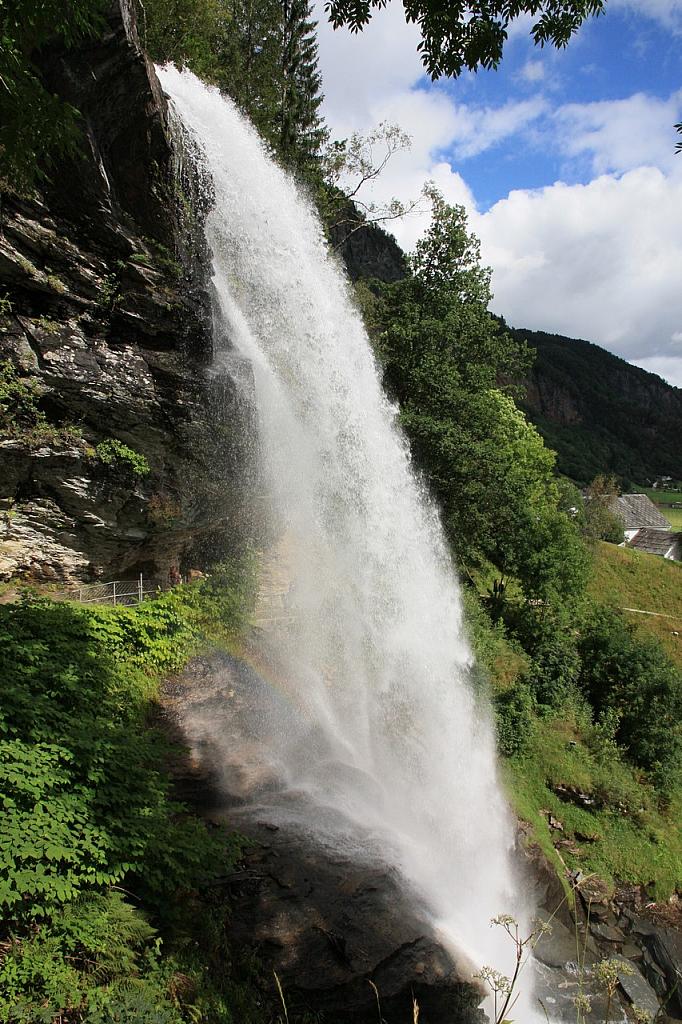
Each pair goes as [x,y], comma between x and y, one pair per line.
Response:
[632,579]
[674,517]
[658,496]
[611,821]
[624,837]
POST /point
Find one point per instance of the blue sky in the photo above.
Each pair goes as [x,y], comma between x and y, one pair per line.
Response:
[564,160]
[611,59]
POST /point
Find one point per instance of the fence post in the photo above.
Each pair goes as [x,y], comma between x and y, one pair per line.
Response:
[80,594]
[139,590]
[114,591]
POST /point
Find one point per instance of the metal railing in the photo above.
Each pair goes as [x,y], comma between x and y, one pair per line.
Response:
[118,592]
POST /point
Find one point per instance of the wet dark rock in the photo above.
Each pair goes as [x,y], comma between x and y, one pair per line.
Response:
[367,250]
[557,990]
[123,168]
[110,325]
[607,932]
[562,947]
[329,926]
[663,964]
[635,986]
[313,898]
[565,957]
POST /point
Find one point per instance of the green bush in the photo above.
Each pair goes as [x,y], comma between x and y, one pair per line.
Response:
[499,659]
[98,956]
[548,635]
[120,457]
[86,805]
[21,417]
[631,677]
[218,607]
[18,401]
[514,713]
[554,669]
[84,795]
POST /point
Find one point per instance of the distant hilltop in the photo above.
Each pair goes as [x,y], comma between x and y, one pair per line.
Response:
[597,411]
[600,413]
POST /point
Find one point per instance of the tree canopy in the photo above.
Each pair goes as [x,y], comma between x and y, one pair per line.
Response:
[452,368]
[263,54]
[35,125]
[459,34]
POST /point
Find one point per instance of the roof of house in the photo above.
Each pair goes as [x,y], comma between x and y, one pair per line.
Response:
[638,511]
[657,542]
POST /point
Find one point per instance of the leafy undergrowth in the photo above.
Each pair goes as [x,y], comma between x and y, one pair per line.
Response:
[612,822]
[96,859]
[627,578]
[501,660]
[588,717]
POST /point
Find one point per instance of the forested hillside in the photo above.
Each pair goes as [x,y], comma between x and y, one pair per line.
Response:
[601,414]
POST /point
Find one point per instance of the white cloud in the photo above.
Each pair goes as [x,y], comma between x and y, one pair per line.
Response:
[361,71]
[667,367]
[599,261]
[376,76]
[480,128]
[667,12]
[521,26]
[618,135]
[532,71]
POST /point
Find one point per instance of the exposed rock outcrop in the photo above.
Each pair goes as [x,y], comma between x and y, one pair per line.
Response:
[328,915]
[329,926]
[625,929]
[105,323]
[367,250]
[600,413]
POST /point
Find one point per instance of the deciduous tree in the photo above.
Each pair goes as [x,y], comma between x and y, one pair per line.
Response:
[452,368]
[601,521]
[349,168]
[459,34]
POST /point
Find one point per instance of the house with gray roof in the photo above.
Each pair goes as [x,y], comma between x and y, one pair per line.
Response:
[645,527]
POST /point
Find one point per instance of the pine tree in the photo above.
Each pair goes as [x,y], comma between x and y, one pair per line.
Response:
[250,65]
[263,53]
[301,131]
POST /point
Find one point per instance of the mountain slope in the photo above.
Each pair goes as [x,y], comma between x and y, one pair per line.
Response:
[600,413]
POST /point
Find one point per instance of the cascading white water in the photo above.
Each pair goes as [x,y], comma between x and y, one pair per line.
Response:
[394,744]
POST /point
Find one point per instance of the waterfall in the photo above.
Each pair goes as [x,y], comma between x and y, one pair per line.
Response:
[383,733]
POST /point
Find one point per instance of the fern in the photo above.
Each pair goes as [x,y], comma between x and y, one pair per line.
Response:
[86,805]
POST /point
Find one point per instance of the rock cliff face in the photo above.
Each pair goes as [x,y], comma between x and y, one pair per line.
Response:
[367,250]
[600,413]
[314,900]
[106,344]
